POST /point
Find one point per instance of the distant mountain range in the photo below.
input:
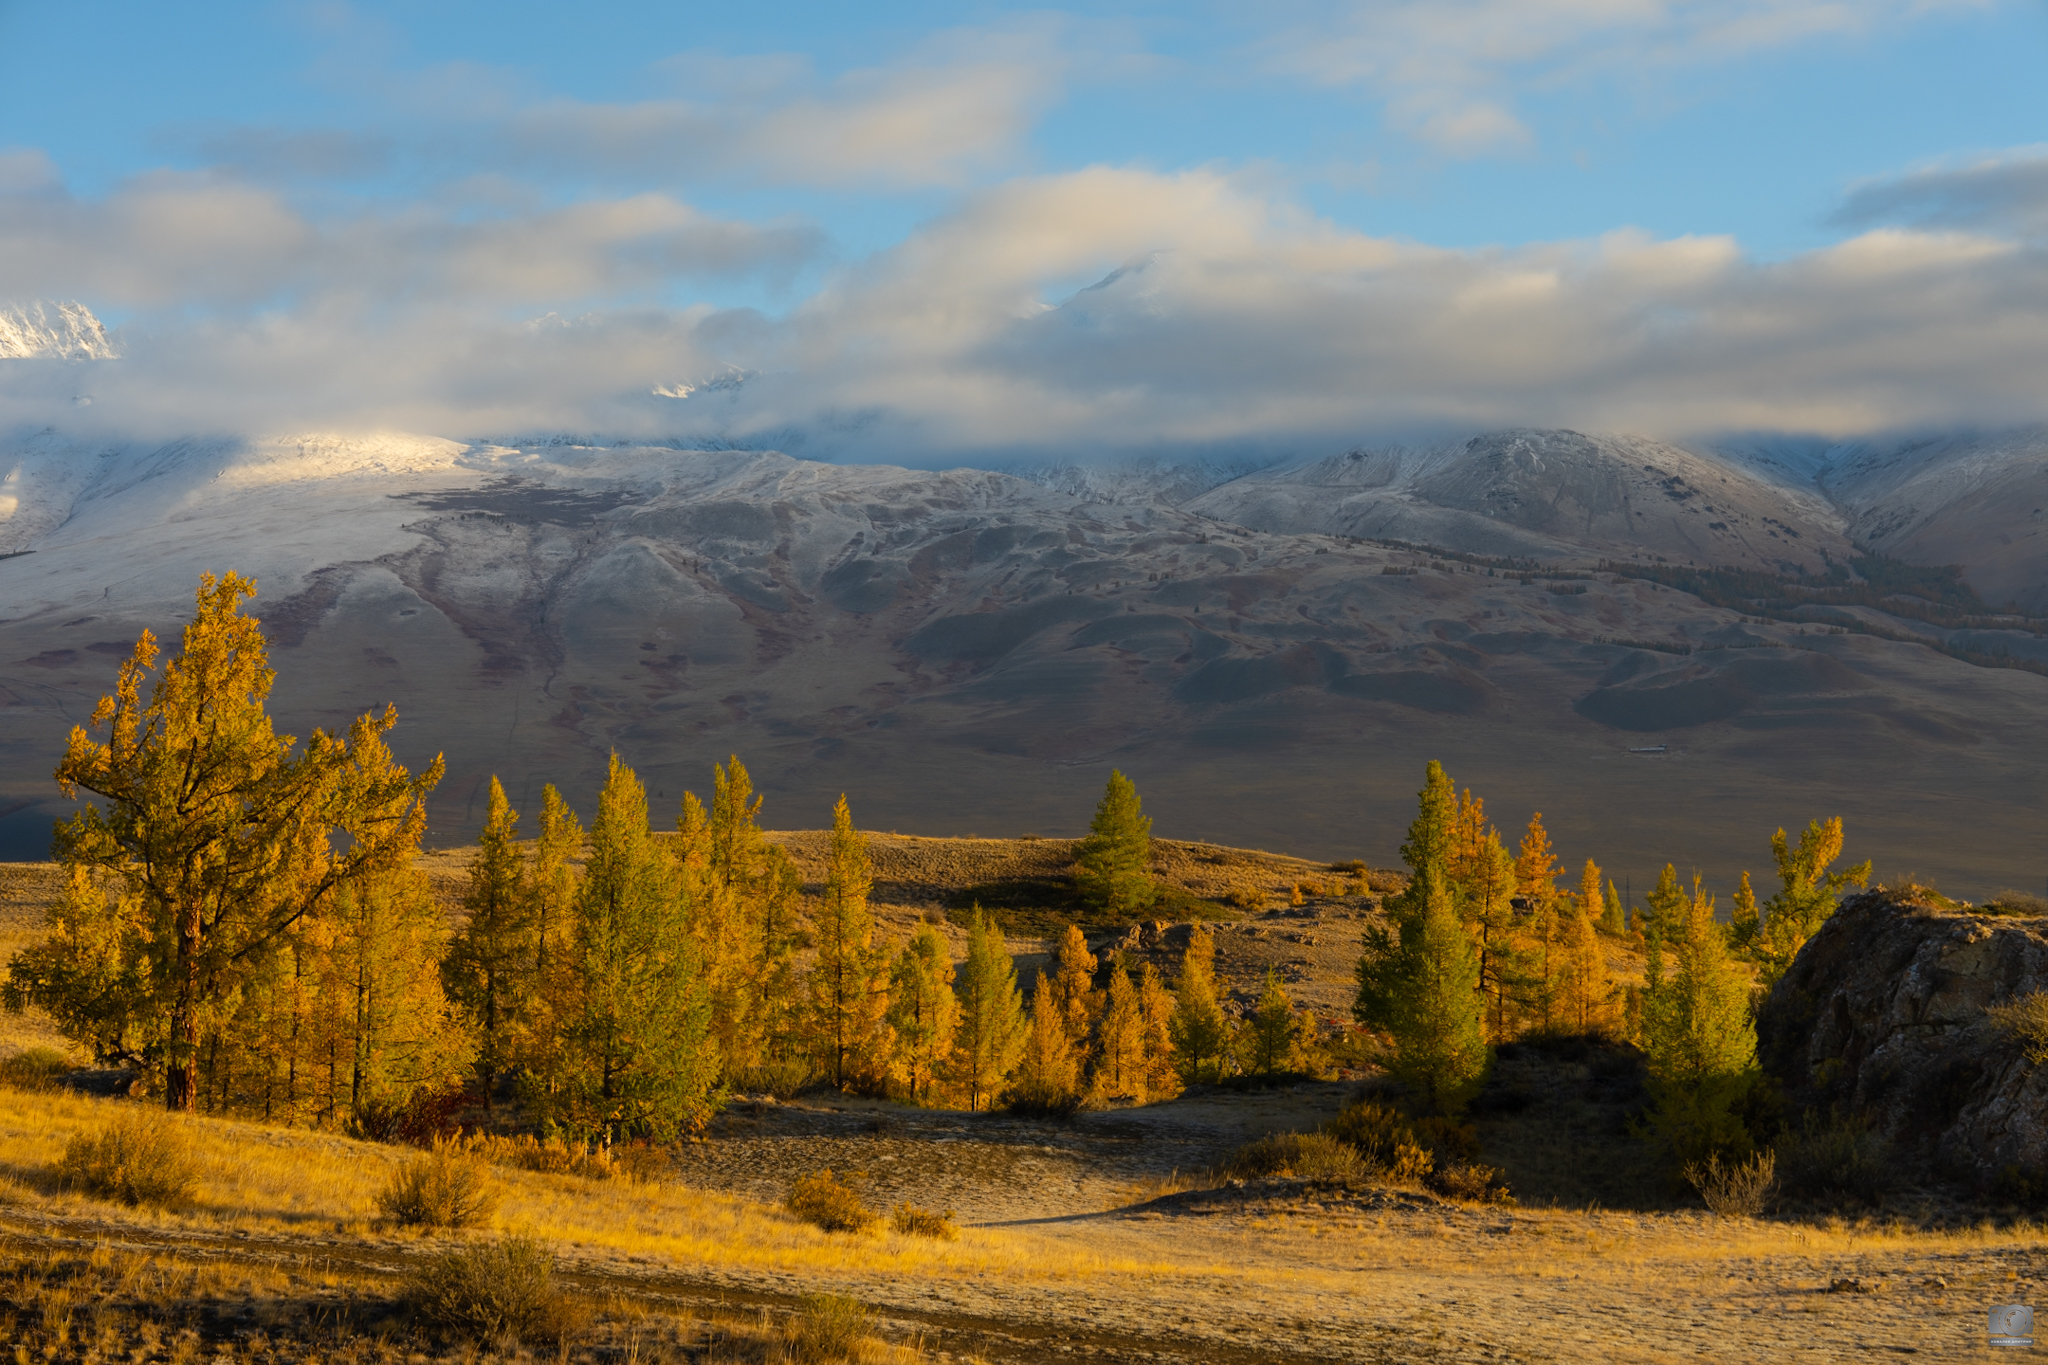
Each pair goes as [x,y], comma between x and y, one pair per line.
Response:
[1669,651]
[1978,500]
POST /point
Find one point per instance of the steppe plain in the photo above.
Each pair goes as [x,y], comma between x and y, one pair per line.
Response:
[1095,1238]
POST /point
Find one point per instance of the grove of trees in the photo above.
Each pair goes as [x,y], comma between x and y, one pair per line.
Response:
[1482,948]
[244,915]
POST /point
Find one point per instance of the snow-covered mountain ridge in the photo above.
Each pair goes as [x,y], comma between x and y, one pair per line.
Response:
[58,331]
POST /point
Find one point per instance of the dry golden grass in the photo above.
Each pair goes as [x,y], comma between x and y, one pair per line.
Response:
[60,1305]
[288,1181]
[926,873]
[26,893]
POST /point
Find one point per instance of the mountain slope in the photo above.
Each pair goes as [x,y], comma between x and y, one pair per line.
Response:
[963,652]
[1977,500]
[1553,495]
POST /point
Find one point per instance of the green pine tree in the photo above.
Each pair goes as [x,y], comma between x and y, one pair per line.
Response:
[990,1033]
[1422,989]
[550,884]
[1697,1033]
[488,970]
[1272,1031]
[1613,919]
[1807,896]
[1432,835]
[1745,923]
[1114,861]
[639,1054]
[1667,905]
[1198,1030]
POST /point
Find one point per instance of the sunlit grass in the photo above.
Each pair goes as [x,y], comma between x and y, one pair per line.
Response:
[286,1181]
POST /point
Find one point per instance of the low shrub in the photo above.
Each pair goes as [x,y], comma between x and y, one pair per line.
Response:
[1043,1102]
[135,1160]
[1468,1180]
[1308,1156]
[557,1156]
[912,1221]
[783,1080]
[447,1187]
[34,1068]
[830,1327]
[1241,899]
[2025,1018]
[1838,1161]
[494,1291]
[2015,903]
[1387,1141]
[417,1121]
[2024,1186]
[1447,1139]
[825,1202]
[1737,1190]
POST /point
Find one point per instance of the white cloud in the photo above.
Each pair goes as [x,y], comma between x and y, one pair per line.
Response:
[1223,317]
[200,241]
[931,122]
[1236,320]
[1450,69]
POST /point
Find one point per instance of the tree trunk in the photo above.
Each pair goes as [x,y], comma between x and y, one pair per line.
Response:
[181,1068]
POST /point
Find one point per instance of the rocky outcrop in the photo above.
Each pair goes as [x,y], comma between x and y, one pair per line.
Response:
[1882,1015]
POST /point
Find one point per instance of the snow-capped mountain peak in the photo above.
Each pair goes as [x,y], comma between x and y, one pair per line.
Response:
[55,331]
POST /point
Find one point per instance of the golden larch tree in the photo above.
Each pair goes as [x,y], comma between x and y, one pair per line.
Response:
[220,836]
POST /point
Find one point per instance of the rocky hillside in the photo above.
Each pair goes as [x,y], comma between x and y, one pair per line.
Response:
[966,652]
[1883,1016]
[1552,495]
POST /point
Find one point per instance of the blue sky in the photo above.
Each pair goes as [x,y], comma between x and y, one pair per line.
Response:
[538,215]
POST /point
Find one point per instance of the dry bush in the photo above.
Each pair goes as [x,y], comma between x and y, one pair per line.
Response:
[1470,1181]
[912,1221]
[34,1068]
[134,1159]
[495,1291]
[830,1327]
[825,1202]
[557,1156]
[447,1187]
[1042,1102]
[1840,1161]
[1242,899]
[1737,1190]
[1386,1141]
[2025,1017]
[418,1120]
[1308,1156]
[783,1080]
[2018,903]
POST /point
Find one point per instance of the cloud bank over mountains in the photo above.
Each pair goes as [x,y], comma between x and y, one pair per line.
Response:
[530,262]
[1222,315]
